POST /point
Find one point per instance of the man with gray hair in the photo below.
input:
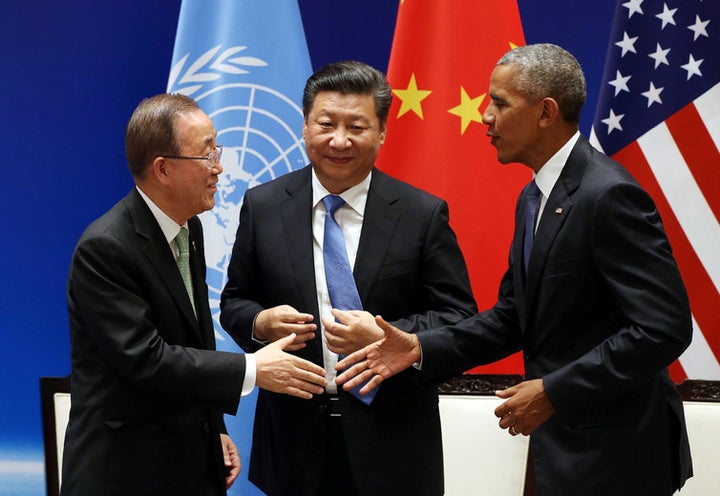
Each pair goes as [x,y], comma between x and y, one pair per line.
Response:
[592,296]
[148,389]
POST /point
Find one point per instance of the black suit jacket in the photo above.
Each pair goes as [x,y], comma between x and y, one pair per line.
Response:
[147,393]
[408,268]
[602,313]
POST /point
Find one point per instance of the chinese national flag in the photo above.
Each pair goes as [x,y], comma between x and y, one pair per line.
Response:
[440,64]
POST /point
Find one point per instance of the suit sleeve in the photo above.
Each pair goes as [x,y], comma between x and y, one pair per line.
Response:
[653,324]
[237,308]
[109,294]
[444,293]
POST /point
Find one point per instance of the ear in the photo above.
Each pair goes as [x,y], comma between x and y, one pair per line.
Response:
[550,110]
[160,170]
[383,134]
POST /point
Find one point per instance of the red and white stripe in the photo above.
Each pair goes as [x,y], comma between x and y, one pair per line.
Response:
[678,163]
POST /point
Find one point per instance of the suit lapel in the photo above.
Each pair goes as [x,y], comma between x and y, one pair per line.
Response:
[296,215]
[158,253]
[198,271]
[379,222]
[556,211]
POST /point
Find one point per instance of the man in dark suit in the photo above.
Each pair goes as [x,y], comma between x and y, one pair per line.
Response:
[407,266]
[147,388]
[599,312]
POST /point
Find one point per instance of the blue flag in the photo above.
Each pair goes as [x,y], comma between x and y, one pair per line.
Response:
[245,62]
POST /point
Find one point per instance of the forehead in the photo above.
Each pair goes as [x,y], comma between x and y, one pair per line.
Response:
[194,126]
[332,103]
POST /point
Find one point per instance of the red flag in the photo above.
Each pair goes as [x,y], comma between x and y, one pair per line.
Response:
[659,115]
[440,64]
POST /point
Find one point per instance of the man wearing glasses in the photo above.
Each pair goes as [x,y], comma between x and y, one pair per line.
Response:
[148,390]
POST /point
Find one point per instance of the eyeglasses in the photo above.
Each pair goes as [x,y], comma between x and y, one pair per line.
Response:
[212,158]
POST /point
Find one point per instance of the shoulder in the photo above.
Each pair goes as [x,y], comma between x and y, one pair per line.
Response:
[392,188]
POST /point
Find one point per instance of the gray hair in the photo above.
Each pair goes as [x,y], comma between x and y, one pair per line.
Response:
[350,77]
[546,70]
[151,130]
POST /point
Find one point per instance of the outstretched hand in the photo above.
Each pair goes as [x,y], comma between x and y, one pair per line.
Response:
[281,372]
[380,360]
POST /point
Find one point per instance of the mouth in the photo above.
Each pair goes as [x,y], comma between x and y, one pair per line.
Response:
[339,160]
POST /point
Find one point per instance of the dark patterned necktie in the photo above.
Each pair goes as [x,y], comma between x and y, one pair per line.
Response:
[532,204]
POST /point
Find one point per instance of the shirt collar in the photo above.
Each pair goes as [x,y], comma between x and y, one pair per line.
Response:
[355,197]
[550,172]
[169,227]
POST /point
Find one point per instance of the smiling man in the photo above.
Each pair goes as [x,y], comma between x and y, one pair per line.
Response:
[148,389]
[407,266]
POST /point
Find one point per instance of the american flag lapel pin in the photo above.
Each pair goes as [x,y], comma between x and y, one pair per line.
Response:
[559,210]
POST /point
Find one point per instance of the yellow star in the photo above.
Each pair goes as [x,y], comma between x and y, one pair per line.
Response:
[468,110]
[411,98]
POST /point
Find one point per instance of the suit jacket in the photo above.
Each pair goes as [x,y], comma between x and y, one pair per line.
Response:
[147,393]
[408,268]
[600,315]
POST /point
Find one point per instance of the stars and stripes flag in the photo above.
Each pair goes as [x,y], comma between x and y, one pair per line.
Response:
[659,115]
[440,71]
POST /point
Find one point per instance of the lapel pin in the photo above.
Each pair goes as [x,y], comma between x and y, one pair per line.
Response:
[559,210]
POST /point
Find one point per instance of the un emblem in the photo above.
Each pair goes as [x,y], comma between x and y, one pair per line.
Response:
[260,130]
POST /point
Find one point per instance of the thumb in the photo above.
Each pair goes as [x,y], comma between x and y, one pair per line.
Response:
[285,342]
[506,393]
[385,325]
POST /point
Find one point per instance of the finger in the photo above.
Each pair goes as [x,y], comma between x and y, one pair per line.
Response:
[503,409]
[506,393]
[296,347]
[355,358]
[303,336]
[350,372]
[341,316]
[358,380]
[371,384]
[313,370]
[282,343]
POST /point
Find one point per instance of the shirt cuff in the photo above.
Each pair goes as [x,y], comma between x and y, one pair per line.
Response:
[250,373]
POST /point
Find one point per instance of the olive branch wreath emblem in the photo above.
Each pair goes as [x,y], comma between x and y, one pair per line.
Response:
[209,67]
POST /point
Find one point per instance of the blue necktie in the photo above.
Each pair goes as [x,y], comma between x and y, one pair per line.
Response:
[532,202]
[340,281]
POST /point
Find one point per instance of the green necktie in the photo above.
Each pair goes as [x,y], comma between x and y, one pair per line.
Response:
[183,262]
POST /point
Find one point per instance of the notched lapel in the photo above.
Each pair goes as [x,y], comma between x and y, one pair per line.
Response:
[379,223]
[160,256]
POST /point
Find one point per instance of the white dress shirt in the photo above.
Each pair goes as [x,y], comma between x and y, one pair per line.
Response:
[350,218]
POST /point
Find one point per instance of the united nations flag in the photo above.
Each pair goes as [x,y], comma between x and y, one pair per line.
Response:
[245,62]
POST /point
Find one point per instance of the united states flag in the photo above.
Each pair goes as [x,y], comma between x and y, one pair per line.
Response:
[659,115]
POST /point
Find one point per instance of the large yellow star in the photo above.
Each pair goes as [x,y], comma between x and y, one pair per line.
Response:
[468,110]
[411,98]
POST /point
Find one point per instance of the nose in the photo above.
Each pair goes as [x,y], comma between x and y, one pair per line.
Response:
[340,138]
[487,117]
